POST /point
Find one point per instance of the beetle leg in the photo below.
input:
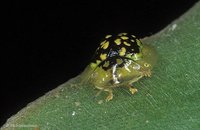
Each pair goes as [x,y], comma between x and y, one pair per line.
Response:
[146,73]
[132,90]
[109,90]
[98,93]
[110,95]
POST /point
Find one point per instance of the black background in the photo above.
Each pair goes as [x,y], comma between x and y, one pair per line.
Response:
[45,44]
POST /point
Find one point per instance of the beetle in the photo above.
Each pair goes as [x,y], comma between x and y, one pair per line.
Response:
[120,60]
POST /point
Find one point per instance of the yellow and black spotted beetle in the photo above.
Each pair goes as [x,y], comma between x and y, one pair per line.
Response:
[120,60]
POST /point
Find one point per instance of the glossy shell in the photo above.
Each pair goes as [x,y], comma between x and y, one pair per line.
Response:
[112,48]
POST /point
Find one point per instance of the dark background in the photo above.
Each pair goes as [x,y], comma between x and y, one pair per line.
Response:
[46,44]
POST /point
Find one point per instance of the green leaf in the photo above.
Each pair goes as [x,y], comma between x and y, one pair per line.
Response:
[169,100]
